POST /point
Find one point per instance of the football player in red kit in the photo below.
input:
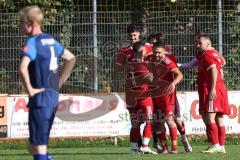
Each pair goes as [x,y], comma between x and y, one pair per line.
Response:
[165,71]
[213,98]
[125,59]
[160,38]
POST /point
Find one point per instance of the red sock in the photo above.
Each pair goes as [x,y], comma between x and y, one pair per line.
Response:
[135,134]
[221,135]
[208,133]
[213,130]
[147,132]
[181,128]
[173,134]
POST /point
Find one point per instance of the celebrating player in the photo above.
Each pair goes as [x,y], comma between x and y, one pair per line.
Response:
[194,63]
[39,70]
[165,70]
[160,38]
[126,55]
[213,98]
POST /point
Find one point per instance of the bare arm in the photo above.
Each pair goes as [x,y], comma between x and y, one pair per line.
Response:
[213,81]
[178,77]
[68,66]
[24,74]
[188,65]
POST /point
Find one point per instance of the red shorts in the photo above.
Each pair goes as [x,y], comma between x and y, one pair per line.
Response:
[165,104]
[219,104]
[142,111]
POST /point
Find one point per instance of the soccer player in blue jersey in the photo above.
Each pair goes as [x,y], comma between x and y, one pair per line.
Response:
[39,71]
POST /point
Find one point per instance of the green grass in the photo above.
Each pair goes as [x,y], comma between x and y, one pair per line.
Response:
[121,153]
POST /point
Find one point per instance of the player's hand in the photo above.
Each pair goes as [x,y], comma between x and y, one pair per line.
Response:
[171,88]
[212,94]
[35,91]
[179,65]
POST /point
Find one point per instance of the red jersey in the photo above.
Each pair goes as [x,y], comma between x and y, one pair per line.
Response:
[205,61]
[124,53]
[133,78]
[139,68]
[162,69]
[220,103]
[172,57]
[162,73]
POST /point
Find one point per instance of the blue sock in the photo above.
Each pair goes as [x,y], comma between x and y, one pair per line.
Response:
[40,157]
[49,156]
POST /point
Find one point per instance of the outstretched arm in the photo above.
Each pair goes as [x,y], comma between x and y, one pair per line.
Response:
[188,65]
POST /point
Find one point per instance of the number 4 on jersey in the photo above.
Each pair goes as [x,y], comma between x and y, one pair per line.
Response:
[54,61]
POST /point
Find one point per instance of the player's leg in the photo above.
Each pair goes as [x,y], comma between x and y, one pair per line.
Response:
[181,127]
[208,133]
[154,135]
[135,129]
[39,124]
[203,109]
[160,130]
[162,136]
[213,131]
[221,131]
[147,116]
[173,131]
[157,141]
[155,124]
[50,156]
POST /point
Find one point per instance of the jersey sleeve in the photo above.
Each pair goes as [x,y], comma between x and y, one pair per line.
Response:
[149,48]
[209,60]
[29,49]
[169,63]
[121,57]
[59,48]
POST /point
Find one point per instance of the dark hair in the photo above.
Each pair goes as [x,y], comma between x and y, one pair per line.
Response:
[152,35]
[200,33]
[160,37]
[133,28]
[138,45]
[158,45]
[205,36]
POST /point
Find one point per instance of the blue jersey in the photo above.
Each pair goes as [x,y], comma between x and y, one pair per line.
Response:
[45,53]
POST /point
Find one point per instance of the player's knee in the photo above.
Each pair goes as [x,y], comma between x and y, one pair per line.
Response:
[178,120]
[170,121]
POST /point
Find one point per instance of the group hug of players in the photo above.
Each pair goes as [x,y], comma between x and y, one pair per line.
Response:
[151,76]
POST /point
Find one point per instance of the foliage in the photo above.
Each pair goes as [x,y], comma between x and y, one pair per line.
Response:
[232,70]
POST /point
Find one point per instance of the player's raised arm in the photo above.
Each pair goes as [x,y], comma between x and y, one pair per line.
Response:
[69,63]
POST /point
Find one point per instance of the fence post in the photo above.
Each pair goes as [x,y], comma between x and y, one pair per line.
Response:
[95,49]
[115,141]
[220,28]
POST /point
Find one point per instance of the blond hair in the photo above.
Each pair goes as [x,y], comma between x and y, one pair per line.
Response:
[32,14]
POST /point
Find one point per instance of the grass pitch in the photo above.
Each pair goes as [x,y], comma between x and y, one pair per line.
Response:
[121,153]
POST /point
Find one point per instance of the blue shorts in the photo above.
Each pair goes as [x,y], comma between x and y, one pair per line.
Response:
[40,120]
